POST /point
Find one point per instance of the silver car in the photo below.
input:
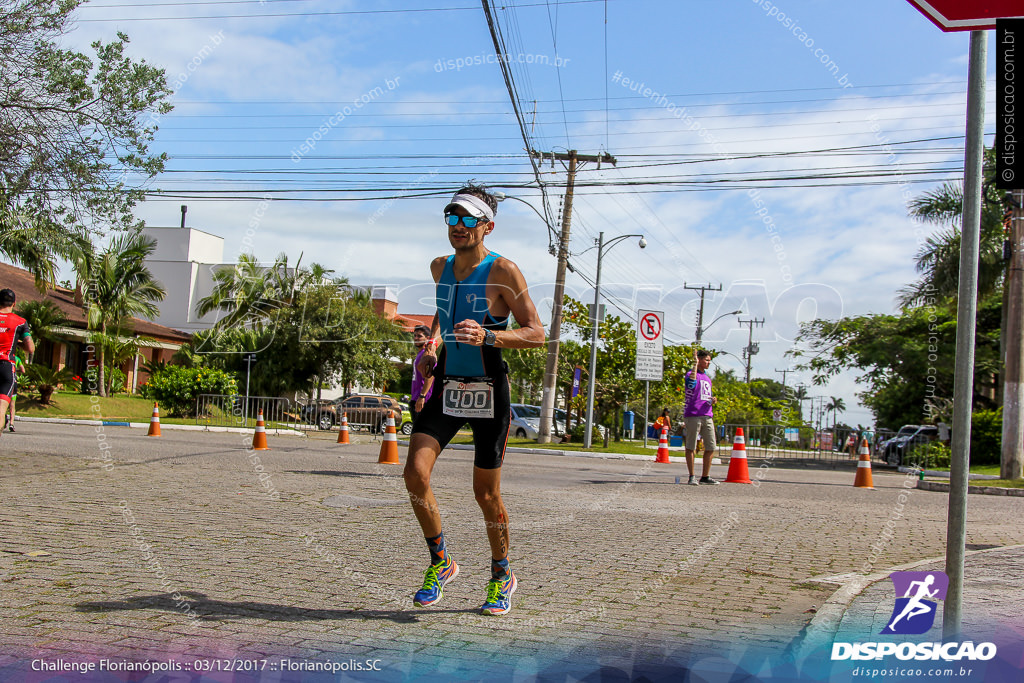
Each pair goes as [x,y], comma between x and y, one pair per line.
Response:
[526,421]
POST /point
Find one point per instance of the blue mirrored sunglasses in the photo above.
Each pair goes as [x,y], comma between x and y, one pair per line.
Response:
[470,222]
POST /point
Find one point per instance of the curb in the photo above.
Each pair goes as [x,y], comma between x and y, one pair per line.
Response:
[824,625]
[145,425]
[983,490]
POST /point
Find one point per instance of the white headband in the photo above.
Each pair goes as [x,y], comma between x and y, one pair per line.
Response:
[477,207]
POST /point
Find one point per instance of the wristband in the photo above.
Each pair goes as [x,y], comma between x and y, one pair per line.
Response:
[430,342]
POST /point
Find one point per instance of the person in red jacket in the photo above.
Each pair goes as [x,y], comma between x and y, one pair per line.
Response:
[13,330]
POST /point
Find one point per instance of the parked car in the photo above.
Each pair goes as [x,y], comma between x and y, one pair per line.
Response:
[526,421]
[900,449]
[406,427]
[903,434]
[362,410]
[320,413]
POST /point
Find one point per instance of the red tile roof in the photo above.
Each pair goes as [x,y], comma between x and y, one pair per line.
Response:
[23,284]
[409,321]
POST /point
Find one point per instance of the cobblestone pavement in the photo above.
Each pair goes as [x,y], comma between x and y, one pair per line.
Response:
[190,546]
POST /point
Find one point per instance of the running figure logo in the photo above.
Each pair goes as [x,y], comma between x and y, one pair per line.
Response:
[914,613]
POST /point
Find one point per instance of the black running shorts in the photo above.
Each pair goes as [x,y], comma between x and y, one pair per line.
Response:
[8,385]
[490,435]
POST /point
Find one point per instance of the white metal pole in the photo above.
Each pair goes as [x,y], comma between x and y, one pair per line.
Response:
[647,404]
[593,347]
[967,308]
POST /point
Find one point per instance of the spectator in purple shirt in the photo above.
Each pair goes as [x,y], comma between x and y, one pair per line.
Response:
[698,417]
[421,387]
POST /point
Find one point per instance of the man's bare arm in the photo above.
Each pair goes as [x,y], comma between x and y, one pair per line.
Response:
[514,291]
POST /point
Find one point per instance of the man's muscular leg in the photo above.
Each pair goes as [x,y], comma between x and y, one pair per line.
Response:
[423,452]
[487,488]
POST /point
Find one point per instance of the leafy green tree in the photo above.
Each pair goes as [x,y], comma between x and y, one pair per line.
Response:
[43,318]
[74,134]
[249,292]
[119,287]
[906,360]
[616,358]
[328,332]
[526,373]
[938,260]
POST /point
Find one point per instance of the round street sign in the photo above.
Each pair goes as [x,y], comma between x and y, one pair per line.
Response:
[650,326]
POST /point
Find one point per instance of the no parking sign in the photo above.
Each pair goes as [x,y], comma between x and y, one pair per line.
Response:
[650,342]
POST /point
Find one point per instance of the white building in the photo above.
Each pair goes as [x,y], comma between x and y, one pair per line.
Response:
[184,262]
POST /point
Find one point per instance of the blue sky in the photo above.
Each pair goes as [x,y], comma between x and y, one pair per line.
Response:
[754,90]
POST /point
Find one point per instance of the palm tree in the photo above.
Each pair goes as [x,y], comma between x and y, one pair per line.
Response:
[243,292]
[248,293]
[836,405]
[42,316]
[119,287]
[938,259]
[37,247]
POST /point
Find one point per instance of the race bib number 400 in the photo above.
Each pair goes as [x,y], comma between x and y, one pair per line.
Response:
[468,399]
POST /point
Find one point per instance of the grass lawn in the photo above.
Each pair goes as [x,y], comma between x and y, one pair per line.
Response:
[77,406]
[1004,483]
[975,469]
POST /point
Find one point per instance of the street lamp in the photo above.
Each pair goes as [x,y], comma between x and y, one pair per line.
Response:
[601,247]
[700,329]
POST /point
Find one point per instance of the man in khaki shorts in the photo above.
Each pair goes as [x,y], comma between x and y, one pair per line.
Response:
[698,416]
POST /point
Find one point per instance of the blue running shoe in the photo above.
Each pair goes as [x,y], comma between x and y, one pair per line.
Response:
[499,595]
[437,577]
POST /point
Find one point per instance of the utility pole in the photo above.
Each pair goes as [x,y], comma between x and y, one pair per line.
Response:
[751,347]
[1012,456]
[801,391]
[548,394]
[784,373]
[700,312]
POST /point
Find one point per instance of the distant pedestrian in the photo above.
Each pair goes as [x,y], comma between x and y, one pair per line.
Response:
[698,415]
[422,387]
[851,444]
[13,330]
[663,421]
[19,369]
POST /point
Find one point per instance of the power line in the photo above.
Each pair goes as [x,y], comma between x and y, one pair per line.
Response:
[302,14]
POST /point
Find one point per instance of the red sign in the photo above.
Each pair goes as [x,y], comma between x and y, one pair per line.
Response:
[650,326]
[968,15]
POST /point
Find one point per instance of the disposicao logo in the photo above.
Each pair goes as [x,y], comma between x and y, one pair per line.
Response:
[914,614]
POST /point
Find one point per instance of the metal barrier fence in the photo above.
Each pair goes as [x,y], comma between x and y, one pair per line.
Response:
[223,410]
[799,442]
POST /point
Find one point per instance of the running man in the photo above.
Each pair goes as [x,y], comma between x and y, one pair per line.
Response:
[19,369]
[476,292]
[13,329]
[914,606]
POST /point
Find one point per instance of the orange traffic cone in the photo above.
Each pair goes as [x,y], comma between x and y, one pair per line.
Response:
[663,446]
[863,478]
[738,473]
[259,439]
[389,446]
[343,434]
[154,422]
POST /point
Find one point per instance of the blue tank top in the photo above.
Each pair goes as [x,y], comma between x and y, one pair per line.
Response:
[459,300]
